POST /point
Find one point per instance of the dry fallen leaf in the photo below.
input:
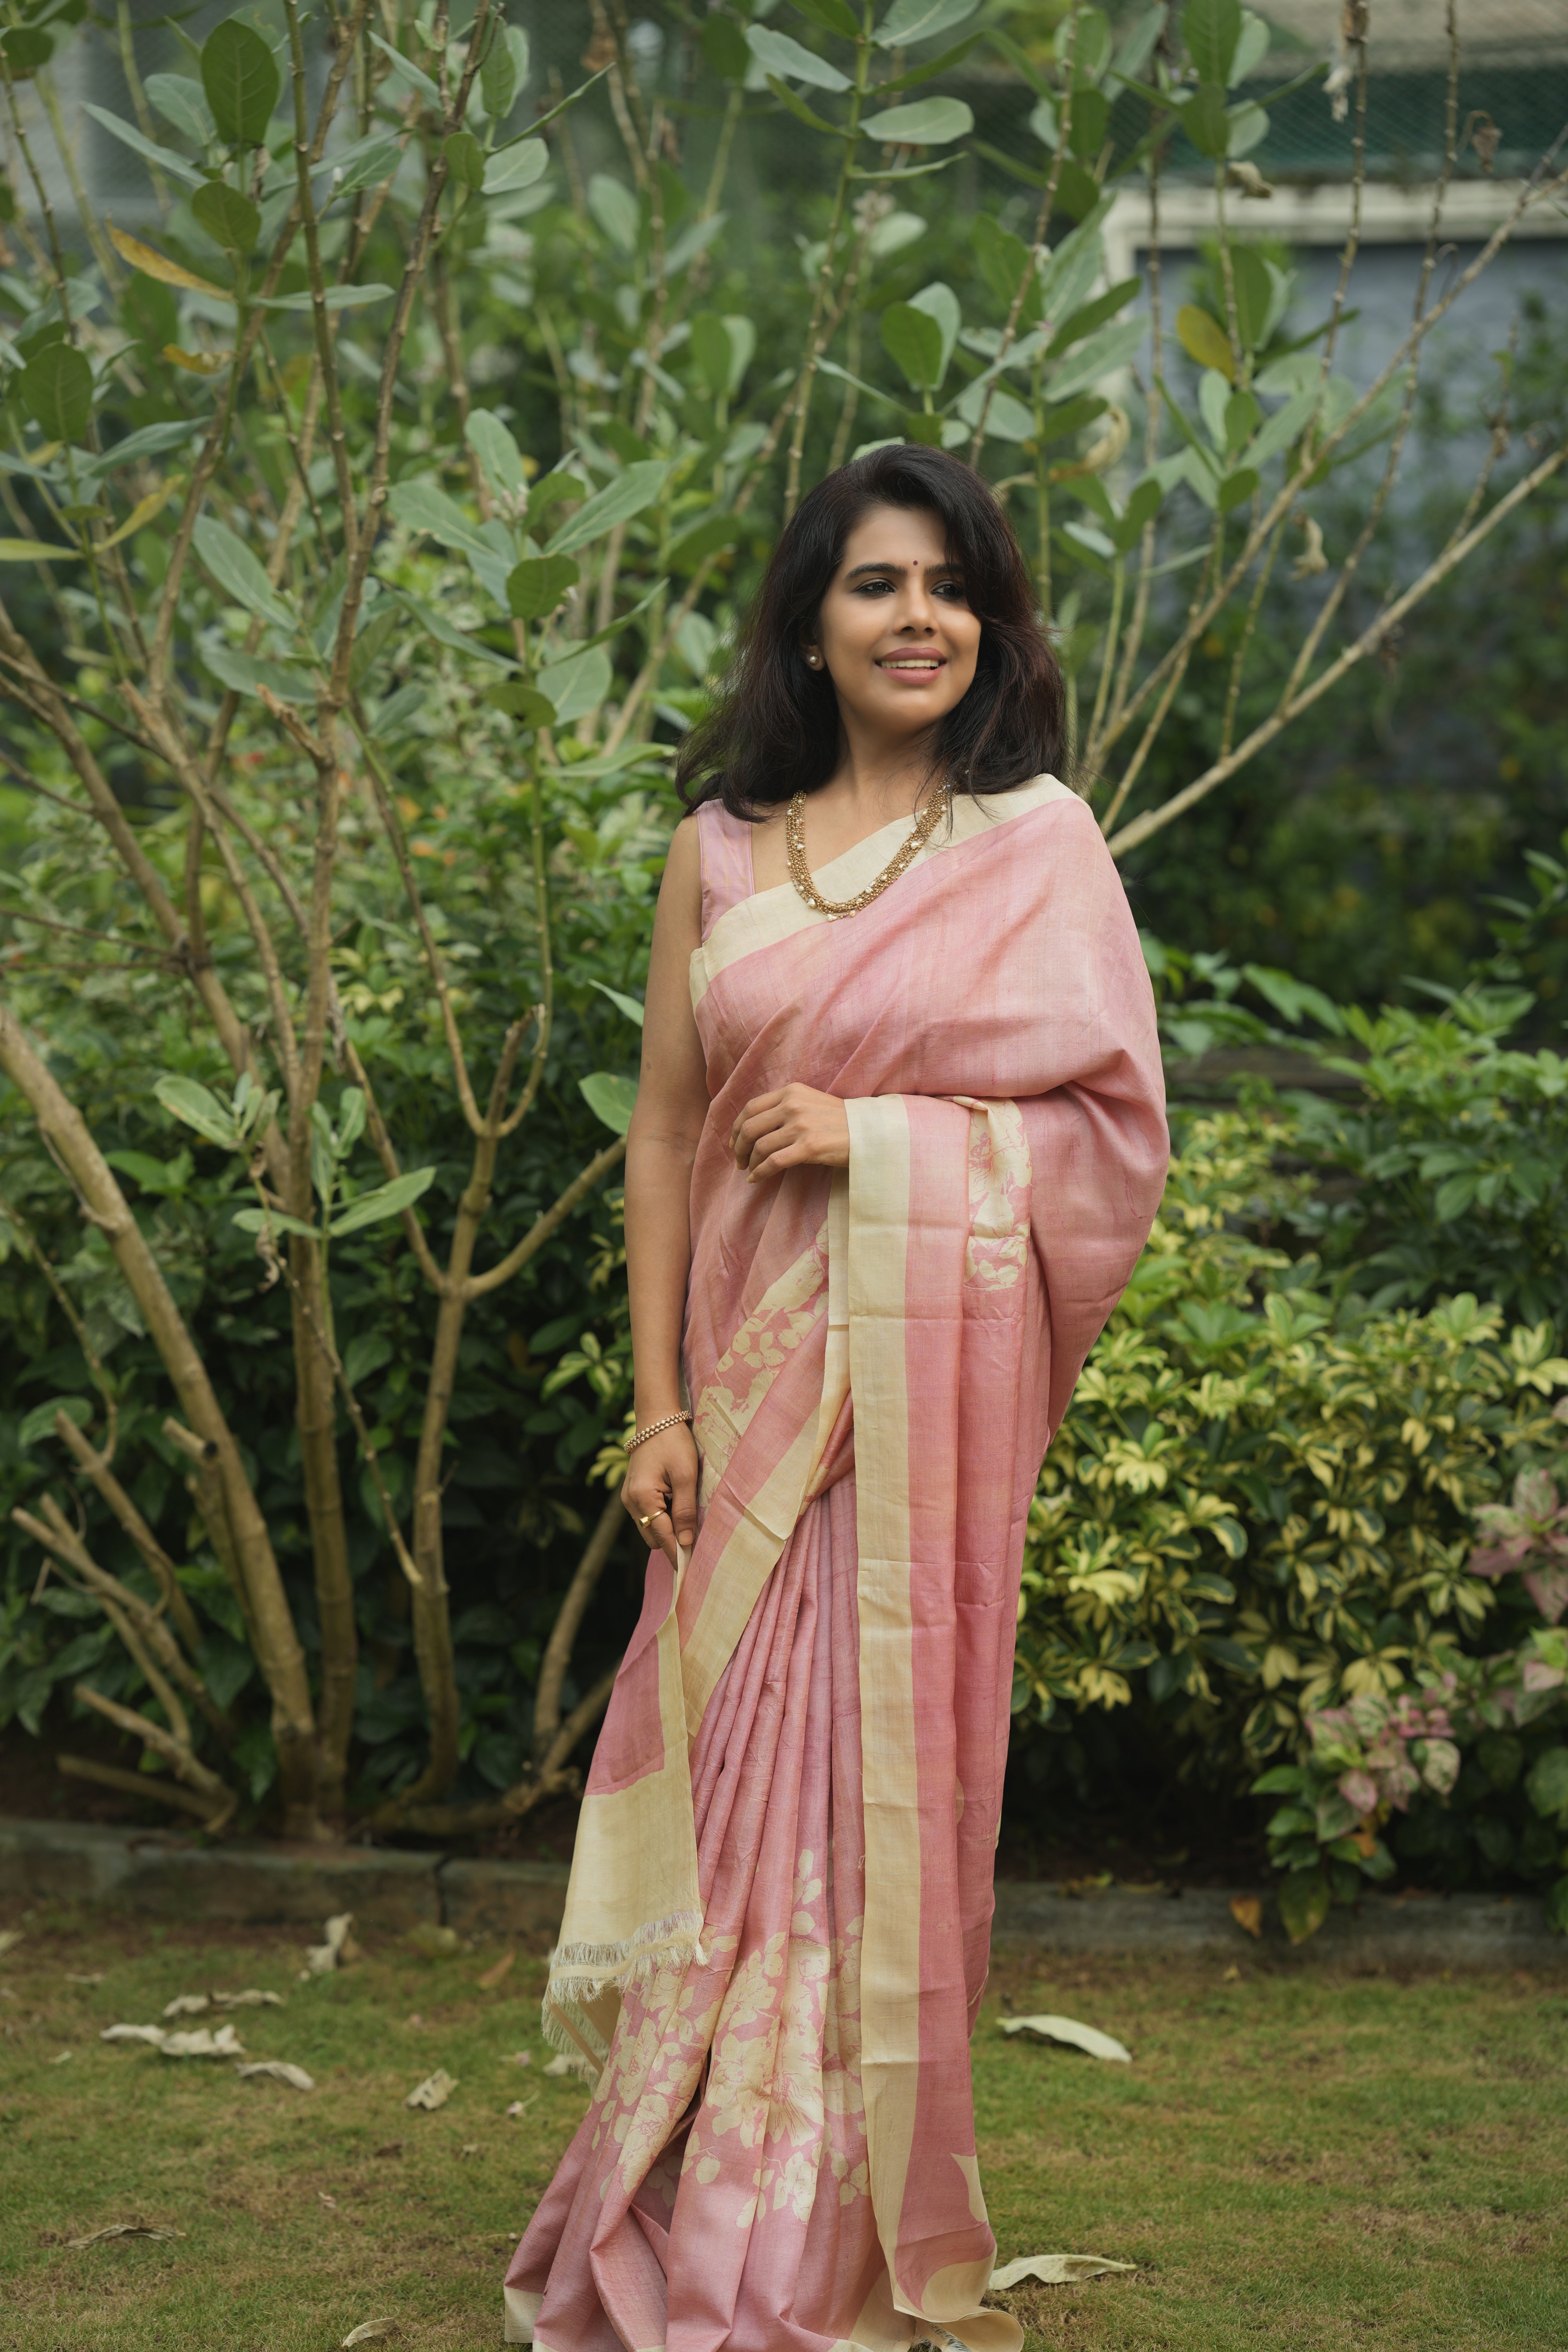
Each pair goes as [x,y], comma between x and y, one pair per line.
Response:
[203,2043]
[122,2229]
[280,2071]
[187,2004]
[522,2106]
[559,2064]
[1247,1910]
[368,2331]
[91,1977]
[518,2058]
[1055,2269]
[1068,2031]
[250,1999]
[433,2091]
[331,2201]
[492,1977]
[470,2147]
[10,1940]
[152,2034]
[64,2058]
[337,1951]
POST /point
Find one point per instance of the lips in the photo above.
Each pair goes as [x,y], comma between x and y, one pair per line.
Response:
[920,665]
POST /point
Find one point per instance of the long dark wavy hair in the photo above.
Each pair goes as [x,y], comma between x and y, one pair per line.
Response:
[775,731]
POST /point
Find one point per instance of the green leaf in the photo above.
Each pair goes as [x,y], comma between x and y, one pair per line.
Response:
[908,22]
[412,77]
[37,551]
[913,340]
[366,1352]
[940,303]
[386,1201]
[26,48]
[238,575]
[627,495]
[616,210]
[704,539]
[230,219]
[1546,1785]
[337,298]
[725,46]
[630,1005]
[521,702]
[198,1107]
[165,158]
[498,81]
[420,506]
[1205,340]
[929,122]
[1211,29]
[711,352]
[1282,1781]
[166,1176]
[367,163]
[464,160]
[40,1422]
[1206,121]
[446,633]
[610,1098]
[1303,1903]
[516,166]
[1236,488]
[537,585]
[273,1221]
[182,102]
[56,386]
[776,53]
[1113,347]
[498,453]
[1248,128]
[832,15]
[578,685]
[241,81]
[249,672]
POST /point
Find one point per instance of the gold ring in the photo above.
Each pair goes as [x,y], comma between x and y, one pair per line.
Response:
[649,1518]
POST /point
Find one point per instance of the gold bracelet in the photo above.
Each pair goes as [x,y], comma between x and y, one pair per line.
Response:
[670,1422]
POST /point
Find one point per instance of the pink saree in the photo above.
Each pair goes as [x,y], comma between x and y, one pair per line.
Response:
[777,1929]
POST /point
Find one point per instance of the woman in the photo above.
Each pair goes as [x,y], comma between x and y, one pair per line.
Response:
[898,1141]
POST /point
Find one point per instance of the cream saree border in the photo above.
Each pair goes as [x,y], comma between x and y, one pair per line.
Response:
[770,916]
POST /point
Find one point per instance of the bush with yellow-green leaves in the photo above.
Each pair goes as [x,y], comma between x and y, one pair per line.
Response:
[1263,1503]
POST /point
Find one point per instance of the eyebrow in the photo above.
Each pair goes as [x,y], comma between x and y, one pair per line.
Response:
[902,569]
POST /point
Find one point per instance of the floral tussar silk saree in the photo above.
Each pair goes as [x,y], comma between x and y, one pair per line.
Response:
[778,1924]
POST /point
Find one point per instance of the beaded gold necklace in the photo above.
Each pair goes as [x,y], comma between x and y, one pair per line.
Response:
[800,872]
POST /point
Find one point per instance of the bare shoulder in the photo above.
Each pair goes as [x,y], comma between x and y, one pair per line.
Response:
[680,892]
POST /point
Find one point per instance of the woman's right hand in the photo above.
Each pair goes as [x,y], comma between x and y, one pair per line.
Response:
[661,1485]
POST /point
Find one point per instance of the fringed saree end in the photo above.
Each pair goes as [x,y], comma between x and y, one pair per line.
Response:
[583,1998]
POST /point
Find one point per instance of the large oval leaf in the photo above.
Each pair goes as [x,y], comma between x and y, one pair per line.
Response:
[626,496]
[1211,29]
[241,81]
[198,1107]
[610,1098]
[578,685]
[516,167]
[239,574]
[912,340]
[909,21]
[420,506]
[56,386]
[386,1201]
[930,122]
[230,219]
[792,61]
[536,587]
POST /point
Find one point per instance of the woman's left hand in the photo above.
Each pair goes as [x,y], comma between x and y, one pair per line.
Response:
[795,1126]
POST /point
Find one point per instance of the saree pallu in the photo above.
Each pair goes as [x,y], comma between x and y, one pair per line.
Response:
[777,1928]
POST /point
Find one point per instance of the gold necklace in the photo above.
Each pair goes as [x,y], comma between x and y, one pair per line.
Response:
[800,872]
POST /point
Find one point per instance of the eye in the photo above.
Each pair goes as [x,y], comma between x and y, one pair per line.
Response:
[874,588]
[952,590]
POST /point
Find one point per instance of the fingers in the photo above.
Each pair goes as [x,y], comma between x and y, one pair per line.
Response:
[681,1522]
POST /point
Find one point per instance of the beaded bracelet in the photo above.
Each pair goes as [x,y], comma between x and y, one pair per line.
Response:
[654,1427]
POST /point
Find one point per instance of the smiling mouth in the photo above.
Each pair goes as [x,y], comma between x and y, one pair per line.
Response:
[924,664]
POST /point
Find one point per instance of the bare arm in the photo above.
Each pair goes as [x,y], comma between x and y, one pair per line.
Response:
[661,1145]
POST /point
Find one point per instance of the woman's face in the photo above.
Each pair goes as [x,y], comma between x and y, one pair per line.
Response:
[895,632]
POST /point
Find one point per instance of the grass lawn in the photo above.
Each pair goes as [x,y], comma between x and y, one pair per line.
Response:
[1294,2160]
